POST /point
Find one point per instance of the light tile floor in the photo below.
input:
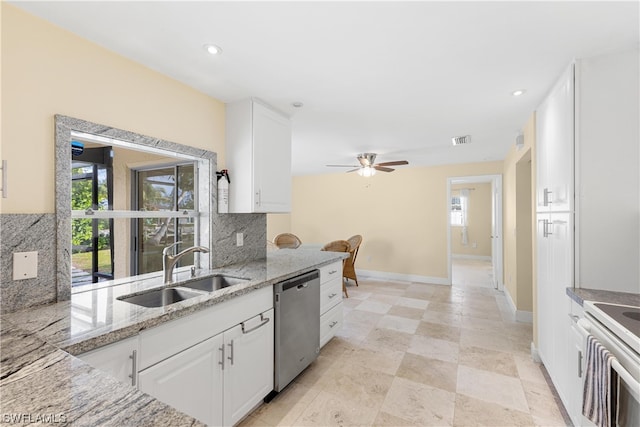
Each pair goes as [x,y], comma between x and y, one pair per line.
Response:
[413,354]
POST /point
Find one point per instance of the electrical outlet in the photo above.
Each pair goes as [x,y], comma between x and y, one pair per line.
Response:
[474,245]
[25,265]
[239,239]
[369,258]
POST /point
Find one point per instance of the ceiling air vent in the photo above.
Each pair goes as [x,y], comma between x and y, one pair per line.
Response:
[461,140]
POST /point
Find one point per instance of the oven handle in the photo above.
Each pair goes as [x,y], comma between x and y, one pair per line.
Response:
[584,326]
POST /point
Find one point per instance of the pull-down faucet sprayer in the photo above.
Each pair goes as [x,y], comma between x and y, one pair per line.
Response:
[169,261]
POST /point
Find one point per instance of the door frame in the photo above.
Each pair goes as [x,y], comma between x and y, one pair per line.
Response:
[496,241]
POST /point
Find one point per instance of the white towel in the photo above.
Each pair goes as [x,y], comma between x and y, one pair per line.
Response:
[599,398]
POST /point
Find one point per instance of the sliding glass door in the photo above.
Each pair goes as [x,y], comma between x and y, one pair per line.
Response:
[169,188]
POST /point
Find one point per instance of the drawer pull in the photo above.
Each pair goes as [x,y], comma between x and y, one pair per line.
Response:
[334,323]
[333,271]
[264,320]
[332,295]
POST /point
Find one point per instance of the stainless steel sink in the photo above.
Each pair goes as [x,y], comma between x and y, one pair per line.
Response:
[213,283]
[161,297]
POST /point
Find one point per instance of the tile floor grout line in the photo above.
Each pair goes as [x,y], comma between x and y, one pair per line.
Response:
[379,360]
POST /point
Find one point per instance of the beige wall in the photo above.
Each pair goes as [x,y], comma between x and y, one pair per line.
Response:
[402,216]
[48,71]
[278,223]
[479,222]
[518,221]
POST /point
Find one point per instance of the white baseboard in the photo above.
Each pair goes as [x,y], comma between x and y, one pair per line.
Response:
[383,275]
[520,315]
[479,257]
[534,354]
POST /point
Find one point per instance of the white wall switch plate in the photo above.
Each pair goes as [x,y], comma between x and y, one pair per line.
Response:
[25,265]
[239,239]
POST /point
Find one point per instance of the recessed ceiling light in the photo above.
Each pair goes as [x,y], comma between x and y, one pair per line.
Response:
[518,92]
[297,104]
[213,49]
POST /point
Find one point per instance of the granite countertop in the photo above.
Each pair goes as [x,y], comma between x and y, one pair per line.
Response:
[580,295]
[40,378]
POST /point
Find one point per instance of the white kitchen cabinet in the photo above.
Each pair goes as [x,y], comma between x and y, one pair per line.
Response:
[258,157]
[221,379]
[330,301]
[576,363]
[555,266]
[216,364]
[554,145]
[191,381]
[118,359]
[248,369]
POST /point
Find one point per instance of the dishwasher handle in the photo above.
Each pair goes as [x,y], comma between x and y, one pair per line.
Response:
[299,282]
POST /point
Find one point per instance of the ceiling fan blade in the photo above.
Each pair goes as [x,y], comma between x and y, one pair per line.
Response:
[383,169]
[342,166]
[395,163]
[353,170]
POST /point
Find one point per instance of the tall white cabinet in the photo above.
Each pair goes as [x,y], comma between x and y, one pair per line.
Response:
[587,198]
[258,157]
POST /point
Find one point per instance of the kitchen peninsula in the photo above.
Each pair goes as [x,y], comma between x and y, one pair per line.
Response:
[41,377]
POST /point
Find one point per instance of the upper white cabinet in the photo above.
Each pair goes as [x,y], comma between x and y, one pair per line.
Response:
[554,145]
[258,157]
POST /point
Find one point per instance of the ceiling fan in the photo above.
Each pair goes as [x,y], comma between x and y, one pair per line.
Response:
[368,167]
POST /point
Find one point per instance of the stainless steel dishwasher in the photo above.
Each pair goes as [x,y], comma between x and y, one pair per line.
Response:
[297,326]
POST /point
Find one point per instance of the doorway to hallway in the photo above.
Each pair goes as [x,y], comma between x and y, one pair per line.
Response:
[474,229]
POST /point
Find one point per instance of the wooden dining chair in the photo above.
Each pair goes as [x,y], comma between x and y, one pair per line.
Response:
[339,246]
[349,271]
[287,240]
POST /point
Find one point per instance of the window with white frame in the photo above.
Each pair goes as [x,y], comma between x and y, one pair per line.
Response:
[456,211]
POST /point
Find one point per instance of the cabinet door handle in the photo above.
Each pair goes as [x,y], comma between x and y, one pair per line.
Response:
[545,227]
[231,356]
[258,198]
[546,200]
[264,320]
[332,295]
[579,364]
[222,361]
[334,323]
[134,366]
[333,271]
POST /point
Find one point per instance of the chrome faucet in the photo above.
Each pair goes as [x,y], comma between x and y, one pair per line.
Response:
[169,261]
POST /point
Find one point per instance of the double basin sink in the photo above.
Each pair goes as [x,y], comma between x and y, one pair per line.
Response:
[167,296]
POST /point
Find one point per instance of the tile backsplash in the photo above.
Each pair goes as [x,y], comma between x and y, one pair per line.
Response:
[37,232]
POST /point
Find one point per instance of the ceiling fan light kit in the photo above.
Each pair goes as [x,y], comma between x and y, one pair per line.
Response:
[366,171]
[368,168]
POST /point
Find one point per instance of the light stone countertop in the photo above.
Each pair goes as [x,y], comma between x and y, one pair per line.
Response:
[580,295]
[37,377]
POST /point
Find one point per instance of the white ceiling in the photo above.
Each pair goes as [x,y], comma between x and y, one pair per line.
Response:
[396,78]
